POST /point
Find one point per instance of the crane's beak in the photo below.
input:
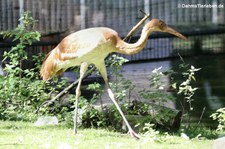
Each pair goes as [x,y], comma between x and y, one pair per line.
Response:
[172,31]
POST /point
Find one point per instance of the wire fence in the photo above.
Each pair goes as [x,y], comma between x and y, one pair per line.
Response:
[204,27]
[57,16]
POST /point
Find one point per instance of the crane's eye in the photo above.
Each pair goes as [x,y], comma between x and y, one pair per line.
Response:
[162,25]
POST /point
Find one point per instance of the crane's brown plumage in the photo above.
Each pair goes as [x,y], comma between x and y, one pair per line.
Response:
[91,46]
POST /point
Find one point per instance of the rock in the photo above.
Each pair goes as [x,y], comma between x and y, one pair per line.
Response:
[46,120]
[219,143]
[183,135]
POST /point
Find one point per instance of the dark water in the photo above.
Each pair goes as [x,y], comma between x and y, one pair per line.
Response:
[211,83]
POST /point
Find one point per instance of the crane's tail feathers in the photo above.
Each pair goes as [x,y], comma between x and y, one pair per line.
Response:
[48,66]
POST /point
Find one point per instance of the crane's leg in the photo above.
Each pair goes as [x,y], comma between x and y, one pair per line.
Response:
[112,97]
[102,69]
[83,69]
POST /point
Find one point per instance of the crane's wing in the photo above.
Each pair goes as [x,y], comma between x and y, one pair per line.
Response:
[74,46]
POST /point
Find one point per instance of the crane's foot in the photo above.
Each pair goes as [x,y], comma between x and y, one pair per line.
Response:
[134,134]
[75,132]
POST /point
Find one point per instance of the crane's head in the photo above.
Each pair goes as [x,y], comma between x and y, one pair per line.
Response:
[159,25]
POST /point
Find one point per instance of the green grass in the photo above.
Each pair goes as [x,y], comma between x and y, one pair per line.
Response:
[23,135]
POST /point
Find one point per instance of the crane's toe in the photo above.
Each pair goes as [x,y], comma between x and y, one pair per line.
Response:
[134,134]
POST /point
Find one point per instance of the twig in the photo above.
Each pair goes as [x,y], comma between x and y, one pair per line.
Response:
[181,58]
[203,111]
[66,89]
[137,26]
[143,12]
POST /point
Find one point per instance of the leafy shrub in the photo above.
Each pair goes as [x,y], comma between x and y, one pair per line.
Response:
[21,93]
[16,85]
[185,87]
[156,92]
[120,85]
[219,115]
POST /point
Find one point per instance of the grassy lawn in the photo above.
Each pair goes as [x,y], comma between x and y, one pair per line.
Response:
[23,135]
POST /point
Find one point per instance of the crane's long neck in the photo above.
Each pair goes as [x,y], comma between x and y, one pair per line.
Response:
[133,48]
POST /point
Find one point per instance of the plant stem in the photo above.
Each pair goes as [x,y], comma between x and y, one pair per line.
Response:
[203,111]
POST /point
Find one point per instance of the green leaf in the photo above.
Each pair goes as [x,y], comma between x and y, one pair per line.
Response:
[174,85]
[193,78]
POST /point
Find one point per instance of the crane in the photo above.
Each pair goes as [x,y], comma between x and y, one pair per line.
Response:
[92,46]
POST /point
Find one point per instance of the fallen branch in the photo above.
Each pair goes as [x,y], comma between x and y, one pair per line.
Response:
[137,26]
[48,102]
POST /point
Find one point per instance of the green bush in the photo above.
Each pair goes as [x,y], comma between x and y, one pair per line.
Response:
[21,91]
[219,116]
